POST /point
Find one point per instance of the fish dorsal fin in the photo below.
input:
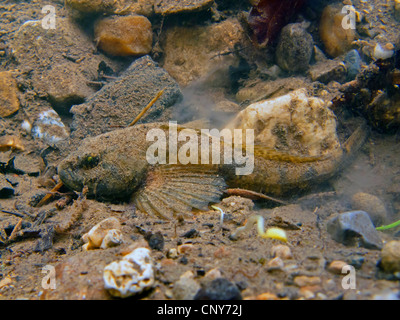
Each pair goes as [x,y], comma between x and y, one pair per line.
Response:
[177,189]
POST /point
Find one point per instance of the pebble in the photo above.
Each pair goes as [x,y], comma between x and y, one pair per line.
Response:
[328,70]
[131,275]
[186,287]
[335,38]
[103,235]
[303,281]
[185,248]
[6,189]
[166,7]
[49,128]
[275,264]
[155,241]
[336,266]
[172,253]
[218,289]
[353,64]
[124,35]
[282,251]
[295,48]
[354,227]
[9,103]
[212,274]
[371,204]
[382,52]
[391,257]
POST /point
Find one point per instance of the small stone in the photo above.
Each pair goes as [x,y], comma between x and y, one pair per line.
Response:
[212,274]
[131,275]
[172,253]
[282,251]
[353,64]
[302,281]
[336,266]
[6,189]
[185,248]
[275,264]
[294,48]
[354,227]
[335,38]
[155,240]
[165,7]
[192,233]
[49,127]
[327,71]
[186,287]
[218,289]
[372,205]
[124,36]
[391,257]
[103,235]
[9,103]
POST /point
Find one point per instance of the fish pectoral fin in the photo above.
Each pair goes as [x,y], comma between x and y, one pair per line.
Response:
[178,189]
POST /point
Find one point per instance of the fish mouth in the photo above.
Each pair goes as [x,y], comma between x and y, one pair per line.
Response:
[68,177]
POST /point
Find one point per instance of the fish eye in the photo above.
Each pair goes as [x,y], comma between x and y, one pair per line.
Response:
[89,161]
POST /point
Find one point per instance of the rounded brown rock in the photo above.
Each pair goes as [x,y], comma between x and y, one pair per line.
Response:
[391,257]
[336,39]
[124,36]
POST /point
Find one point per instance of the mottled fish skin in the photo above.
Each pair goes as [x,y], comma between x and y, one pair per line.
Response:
[114,166]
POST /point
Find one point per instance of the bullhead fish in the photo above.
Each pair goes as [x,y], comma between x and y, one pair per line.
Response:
[130,162]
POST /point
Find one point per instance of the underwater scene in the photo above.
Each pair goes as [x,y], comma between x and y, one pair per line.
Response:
[199,150]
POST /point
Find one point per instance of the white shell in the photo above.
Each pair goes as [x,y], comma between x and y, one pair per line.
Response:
[49,127]
[131,275]
[103,235]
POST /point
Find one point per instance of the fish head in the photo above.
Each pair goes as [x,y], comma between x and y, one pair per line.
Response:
[110,167]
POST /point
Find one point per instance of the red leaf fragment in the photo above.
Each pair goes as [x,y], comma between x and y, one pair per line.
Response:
[268,17]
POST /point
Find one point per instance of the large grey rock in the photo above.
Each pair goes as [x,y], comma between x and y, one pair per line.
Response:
[354,227]
[120,101]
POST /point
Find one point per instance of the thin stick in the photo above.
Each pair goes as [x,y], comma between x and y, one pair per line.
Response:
[147,108]
[251,195]
[50,195]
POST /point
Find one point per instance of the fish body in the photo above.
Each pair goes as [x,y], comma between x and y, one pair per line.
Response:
[116,165]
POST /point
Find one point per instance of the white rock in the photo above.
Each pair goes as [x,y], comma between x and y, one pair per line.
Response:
[49,127]
[293,123]
[381,53]
[131,275]
[103,235]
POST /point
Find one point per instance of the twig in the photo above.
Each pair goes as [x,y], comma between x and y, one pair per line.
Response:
[50,195]
[147,108]
[15,230]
